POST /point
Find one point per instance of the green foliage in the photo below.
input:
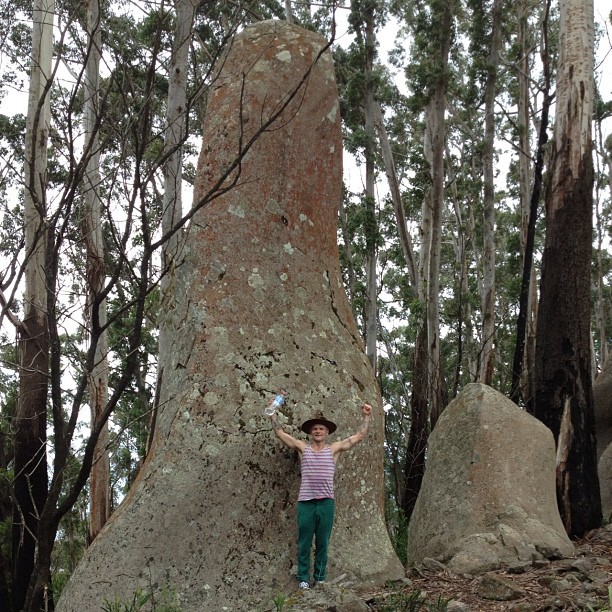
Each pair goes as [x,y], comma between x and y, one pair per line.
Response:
[412,601]
[280,601]
[165,601]
[6,526]
[397,527]
[606,607]
[139,600]
[602,110]
[72,534]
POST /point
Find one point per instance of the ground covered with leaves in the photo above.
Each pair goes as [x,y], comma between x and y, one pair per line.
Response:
[583,582]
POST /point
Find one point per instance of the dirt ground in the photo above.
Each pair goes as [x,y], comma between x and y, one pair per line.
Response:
[535,585]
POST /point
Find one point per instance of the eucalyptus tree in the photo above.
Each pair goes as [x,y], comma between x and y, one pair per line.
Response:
[523,365]
[95,270]
[364,19]
[431,29]
[564,395]
[528,300]
[494,39]
[30,423]
[9,393]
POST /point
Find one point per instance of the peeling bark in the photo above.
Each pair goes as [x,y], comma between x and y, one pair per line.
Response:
[564,394]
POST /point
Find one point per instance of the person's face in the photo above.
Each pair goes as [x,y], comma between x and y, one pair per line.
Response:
[319,432]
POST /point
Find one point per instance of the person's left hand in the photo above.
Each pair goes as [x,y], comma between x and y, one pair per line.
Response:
[366,409]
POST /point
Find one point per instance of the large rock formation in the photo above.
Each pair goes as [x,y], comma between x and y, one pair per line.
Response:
[259,305]
[488,494]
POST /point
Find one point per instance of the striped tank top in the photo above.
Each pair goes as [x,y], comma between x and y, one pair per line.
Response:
[318,470]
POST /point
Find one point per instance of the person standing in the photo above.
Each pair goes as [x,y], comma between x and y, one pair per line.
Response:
[315,511]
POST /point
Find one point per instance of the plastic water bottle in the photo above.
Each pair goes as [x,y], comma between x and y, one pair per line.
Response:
[278,402]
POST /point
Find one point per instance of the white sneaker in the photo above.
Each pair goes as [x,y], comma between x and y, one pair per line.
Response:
[304,586]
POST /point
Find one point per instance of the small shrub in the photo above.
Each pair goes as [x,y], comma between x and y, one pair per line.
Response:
[166,601]
[604,608]
[279,601]
[415,601]
[139,600]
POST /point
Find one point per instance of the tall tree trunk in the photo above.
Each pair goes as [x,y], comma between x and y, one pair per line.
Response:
[414,465]
[348,255]
[564,394]
[174,137]
[524,352]
[288,11]
[396,198]
[523,123]
[6,506]
[435,122]
[463,315]
[30,461]
[488,297]
[526,375]
[176,121]
[601,311]
[419,431]
[371,303]
[96,277]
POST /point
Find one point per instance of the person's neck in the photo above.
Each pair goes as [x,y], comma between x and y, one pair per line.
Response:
[317,446]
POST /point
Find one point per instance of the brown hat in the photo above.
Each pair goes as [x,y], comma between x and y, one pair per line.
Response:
[318,420]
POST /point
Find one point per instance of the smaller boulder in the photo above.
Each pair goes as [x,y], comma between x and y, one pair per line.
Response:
[497,588]
[602,401]
[488,495]
[604,469]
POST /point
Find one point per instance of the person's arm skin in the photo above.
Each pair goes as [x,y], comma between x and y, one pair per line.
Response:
[348,443]
[284,437]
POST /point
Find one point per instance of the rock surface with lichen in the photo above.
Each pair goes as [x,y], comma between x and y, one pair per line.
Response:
[488,496]
[258,305]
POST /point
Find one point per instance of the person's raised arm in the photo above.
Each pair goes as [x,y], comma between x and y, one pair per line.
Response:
[348,443]
[284,437]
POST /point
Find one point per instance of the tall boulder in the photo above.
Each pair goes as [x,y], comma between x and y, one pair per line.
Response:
[258,305]
[488,495]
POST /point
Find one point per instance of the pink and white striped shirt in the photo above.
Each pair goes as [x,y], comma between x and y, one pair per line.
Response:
[318,468]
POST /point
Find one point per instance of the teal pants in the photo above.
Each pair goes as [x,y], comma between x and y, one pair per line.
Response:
[315,519]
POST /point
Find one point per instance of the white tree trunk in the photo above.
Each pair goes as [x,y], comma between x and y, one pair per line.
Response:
[602,311]
[96,276]
[488,297]
[371,303]
[173,147]
[575,86]
[175,135]
[394,190]
[525,186]
[37,137]
[435,126]
[30,461]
